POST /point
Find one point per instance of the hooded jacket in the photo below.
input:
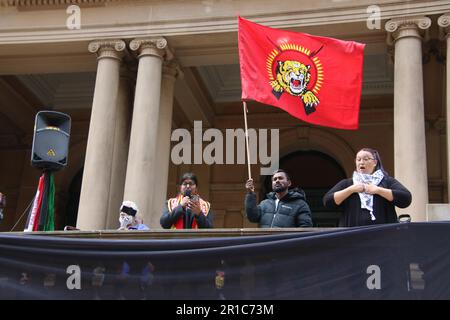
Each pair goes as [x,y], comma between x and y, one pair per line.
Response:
[292,210]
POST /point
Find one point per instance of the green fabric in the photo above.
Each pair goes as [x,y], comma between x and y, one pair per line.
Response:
[50,222]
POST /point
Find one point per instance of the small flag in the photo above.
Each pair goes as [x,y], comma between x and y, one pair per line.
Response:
[41,216]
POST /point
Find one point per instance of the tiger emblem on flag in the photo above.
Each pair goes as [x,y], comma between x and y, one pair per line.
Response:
[293,77]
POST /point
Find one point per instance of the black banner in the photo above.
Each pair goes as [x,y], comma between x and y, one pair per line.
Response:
[396,261]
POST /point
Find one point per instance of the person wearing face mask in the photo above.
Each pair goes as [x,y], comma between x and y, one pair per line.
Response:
[129,217]
[187,210]
[283,208]
[370,196]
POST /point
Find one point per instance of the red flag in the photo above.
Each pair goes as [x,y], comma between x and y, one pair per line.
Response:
[33,216]
[315,79]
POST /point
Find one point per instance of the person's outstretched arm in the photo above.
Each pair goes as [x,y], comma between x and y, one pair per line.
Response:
[252,210]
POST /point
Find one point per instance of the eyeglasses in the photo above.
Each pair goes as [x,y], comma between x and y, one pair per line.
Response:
[188,184]
[364,159]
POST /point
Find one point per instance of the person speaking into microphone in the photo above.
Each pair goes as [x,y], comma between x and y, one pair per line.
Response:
[187,210]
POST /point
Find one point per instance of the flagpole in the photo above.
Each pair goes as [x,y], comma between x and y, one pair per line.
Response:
[244,105]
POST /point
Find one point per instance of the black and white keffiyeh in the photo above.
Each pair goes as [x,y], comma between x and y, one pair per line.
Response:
[367,199]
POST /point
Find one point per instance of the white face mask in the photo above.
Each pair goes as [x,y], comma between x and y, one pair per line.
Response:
[125,220]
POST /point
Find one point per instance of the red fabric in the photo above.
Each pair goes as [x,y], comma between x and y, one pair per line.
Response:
[39,202]
[174,202]
[179,224]
[330,98]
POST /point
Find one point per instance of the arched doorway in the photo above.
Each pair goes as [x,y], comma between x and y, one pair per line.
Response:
[314,172]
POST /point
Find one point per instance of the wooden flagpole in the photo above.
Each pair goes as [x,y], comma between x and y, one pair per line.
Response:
[244,105]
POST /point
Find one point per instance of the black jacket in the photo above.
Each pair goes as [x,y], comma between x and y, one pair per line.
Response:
[292,210]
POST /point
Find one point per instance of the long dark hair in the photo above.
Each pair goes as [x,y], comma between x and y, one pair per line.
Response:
[377,157]
[190,176]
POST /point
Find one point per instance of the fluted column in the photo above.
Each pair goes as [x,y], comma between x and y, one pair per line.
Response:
[140,183]
[444,24]
[170,72]
[410,156]
[120,149]
[94,196]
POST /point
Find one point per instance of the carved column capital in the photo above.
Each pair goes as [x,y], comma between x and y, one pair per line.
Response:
[444,26]
[416,26]
[108,48]
[153,46]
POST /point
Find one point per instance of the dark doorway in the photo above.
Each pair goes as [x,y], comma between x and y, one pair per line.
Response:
[74,199]
[315,173]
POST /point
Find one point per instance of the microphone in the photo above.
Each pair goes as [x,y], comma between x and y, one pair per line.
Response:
[187,215]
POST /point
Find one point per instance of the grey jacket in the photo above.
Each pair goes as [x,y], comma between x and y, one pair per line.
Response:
[292,210]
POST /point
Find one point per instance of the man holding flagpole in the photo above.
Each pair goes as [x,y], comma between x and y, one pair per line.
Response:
[315,79]
[283,208]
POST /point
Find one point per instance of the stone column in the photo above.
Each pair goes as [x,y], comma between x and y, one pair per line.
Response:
[120,149]
[170,73]
[94,196]
[444,24]
[410,155]
[140,183]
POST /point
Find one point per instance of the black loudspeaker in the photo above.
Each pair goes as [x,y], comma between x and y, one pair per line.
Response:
[51,140]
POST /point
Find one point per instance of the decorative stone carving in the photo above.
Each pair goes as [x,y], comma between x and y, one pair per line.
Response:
[444,26]
[416,26]
[444,20]
[156,46]
[108,48]
[172,69]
